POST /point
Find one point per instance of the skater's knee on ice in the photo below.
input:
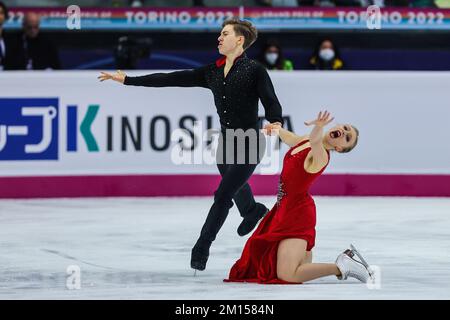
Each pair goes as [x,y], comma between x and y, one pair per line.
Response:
[289,274]
[291,254]
[286,275]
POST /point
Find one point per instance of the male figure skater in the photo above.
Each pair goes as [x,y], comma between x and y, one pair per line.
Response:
[237,84]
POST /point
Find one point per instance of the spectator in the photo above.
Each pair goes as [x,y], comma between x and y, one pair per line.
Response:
[326,56]
[272,57]
[136,3]
[4,45]
[32,50]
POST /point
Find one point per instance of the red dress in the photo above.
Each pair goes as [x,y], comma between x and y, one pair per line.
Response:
[293,216]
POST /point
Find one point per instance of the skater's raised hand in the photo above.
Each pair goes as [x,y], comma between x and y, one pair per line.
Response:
[272,128]
[119,76]
[322,119]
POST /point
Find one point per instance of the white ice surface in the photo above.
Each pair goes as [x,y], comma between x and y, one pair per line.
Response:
[139,248]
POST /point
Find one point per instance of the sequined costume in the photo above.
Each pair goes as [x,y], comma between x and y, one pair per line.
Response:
[235,96]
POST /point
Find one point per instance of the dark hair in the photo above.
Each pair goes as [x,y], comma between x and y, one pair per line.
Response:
[346,150]
[280,61]
[243,28]
[337,54]
[5,10]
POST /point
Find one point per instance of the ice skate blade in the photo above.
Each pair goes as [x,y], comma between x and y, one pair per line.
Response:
[355,251]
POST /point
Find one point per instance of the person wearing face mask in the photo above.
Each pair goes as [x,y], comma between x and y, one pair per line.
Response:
[272,57]
[326,57]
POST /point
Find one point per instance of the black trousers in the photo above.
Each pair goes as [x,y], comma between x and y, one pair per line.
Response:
[233,185]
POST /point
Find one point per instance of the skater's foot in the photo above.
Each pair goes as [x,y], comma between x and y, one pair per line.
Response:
[200,255]
[350,267]
[250,221]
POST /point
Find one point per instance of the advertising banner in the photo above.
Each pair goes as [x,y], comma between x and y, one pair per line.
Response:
[70,124]
[210,19]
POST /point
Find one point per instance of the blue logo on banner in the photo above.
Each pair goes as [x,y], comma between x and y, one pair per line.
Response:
[29,129]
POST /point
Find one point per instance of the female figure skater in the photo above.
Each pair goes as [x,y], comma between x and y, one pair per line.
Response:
[279,251]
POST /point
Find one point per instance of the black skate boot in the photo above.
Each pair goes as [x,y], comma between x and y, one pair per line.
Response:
[200,255]
[250,221]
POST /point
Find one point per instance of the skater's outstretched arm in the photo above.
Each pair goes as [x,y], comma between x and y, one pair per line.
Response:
[318,156]
[184,78]
[269,99]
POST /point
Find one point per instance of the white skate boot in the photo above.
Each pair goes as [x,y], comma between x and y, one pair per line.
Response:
[350,267]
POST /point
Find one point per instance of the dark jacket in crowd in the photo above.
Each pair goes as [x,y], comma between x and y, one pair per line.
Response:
[36,54]
[7,55]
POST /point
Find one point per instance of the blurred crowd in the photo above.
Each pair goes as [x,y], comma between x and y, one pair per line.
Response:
[290,3]
[324,57]
[31,50]
[27,50]
[231,3]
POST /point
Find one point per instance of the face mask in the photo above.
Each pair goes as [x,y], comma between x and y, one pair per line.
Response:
[271,58]
[326,54]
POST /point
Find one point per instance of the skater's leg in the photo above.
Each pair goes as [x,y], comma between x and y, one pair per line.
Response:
[308,257]
[233,179]
[293,265]
[243,198]
[230,147]
[235,176]
[249,209]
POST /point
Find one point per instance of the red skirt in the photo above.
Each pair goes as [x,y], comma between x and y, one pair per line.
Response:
[290,219]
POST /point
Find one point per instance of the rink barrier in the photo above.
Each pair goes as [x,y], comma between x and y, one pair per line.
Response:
[72,136]
[205,185]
